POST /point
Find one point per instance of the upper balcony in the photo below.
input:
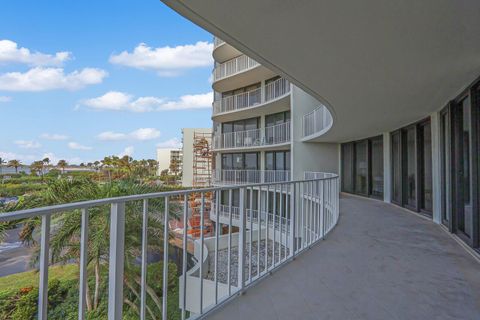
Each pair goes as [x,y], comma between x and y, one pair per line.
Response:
[238,72]
[222,51]
[246,176]
[273,136]
[316,123]
[270,98]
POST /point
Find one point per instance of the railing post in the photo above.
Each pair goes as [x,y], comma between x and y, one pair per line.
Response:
[323,209]
[116,261]
[44,258]
[241,241]
[293,217]
[83,265]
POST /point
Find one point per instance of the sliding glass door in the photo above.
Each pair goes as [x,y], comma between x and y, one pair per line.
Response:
[411,161]
[362,167]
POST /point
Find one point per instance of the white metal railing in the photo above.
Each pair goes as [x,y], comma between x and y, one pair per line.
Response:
[217,42]
[300,212]
[235,177]
[272,135]
[231,67]
[316,121]
[252,98]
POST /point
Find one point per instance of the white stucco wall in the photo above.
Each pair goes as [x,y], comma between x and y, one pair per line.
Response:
[309,156]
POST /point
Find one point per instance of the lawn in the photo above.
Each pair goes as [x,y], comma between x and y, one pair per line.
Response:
[30,278]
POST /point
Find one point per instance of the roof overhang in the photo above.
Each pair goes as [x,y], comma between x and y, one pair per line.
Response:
[377,65]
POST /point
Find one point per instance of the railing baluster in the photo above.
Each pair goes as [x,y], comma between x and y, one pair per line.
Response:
[281,223]
[241,241]
[202,236]
[293,195]
[143,296]
[44,259]
[185,252]
[274,225]
[116,258]
[217,232]
[259,228]
[267,216]
[83,265]
[250,209]
[230,191]
[165,259]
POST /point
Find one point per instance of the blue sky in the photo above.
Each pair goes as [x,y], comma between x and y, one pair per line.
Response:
[83,79]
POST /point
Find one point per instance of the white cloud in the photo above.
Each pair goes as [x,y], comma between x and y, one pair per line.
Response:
[141,134]
[167,61]
[42,79]
[120,101]
[53,136]
[28,144]
[173,143]
[78,146]
[24,158]
[5,99]
[29,158]
[128,151]
[191,101]
[11,53]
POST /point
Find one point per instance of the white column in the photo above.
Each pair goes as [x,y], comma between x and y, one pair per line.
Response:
[387,170]
[436,169]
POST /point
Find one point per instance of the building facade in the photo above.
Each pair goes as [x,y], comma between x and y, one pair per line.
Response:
[196,156]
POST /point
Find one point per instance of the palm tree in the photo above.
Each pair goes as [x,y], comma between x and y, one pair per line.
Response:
[14,164]
[62,164]
[64,243]
[2,161]
[37,167]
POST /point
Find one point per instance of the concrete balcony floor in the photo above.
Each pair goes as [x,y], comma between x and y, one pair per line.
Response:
[380,262]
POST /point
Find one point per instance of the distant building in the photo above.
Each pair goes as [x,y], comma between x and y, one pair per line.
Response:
[197,159]
[176,160]
[163,159]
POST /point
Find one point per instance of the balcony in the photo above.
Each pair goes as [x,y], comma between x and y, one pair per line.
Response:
[238,177]
[316,123]
[380,262]
[224,264]
[233,66]
[217,42]
[251,139]
[235,73]
[260,97]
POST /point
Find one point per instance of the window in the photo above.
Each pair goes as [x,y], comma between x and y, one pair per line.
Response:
[412,167]
[377,167]
[277,160]
[396,168]
[347,167]
[362,167]
[241,125]
[426,192]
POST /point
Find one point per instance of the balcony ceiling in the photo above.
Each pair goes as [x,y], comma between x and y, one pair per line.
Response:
[377,65]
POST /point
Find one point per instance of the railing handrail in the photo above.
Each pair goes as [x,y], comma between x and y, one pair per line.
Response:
[267,136]
[261,95]
[233,66]
[308,210]
[316,121]
[28,213]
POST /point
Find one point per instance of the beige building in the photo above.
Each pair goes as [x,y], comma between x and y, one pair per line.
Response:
[197,159]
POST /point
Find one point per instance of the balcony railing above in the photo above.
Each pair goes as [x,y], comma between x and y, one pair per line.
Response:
[273,135]
[231,67]
[316,121]
[217,42]
[237,177]
[252,98]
